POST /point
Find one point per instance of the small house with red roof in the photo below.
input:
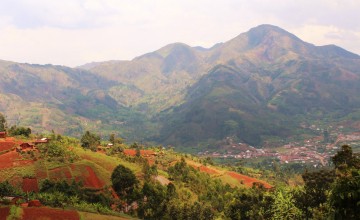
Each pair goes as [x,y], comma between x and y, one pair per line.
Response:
[2,134]
[26,146]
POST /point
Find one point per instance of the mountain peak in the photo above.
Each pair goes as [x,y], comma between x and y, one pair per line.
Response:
[267,33]
[174,47]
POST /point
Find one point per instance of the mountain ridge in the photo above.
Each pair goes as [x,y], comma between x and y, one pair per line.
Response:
[261,83]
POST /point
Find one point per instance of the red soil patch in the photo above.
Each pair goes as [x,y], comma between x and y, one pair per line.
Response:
[60,173]
[101,151]
[12,159]
[151,162]
[6,145]
[132,152]
[208,170]
[30,185]
[34,203]
[10,139]
[204,169]
[92,180]
[41,174]
[4,212]
[248,181]
[113,193]
[49,213]
[67,172]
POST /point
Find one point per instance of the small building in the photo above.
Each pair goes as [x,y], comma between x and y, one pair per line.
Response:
[2,134]
[41,141]
[35,203]
[25,146]
[12,199]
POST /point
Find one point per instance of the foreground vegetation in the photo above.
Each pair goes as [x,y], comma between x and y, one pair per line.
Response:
[131,184]
[192,194]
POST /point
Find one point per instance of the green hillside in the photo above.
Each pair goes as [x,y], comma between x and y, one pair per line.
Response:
[69,101]
[60,178]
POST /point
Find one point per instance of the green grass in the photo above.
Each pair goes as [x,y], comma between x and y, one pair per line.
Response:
[24,171]
[15,213]
[106,162]
[93,216]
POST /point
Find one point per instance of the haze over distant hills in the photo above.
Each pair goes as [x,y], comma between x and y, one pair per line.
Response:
[261,84]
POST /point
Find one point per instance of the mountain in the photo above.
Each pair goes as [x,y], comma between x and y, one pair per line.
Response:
[48,97]
[154,81]
[262,84]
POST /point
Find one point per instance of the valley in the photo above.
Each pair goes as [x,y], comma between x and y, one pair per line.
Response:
[314,150]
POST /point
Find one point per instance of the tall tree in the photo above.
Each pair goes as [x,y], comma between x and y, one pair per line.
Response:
[2,122]
[90,141]
[316,190]
[284,207]
[345,196]
[345,158]
[124,182]
[115,140]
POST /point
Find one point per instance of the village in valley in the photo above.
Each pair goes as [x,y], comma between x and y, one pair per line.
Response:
[315,151]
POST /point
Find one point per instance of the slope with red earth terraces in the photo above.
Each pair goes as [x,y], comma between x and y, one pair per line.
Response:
[49,213]
[239,178]
[248,181]
[92,180]
[6,145]
[12,159]
[60,173]
[132,152]
[88,177]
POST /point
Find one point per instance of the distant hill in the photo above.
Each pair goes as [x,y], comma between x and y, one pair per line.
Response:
[262,84]
[48,97]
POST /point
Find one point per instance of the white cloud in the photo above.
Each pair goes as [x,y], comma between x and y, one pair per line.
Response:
[73,32]
[324,35]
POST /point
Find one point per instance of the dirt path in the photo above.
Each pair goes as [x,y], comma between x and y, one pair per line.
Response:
[49,213]
[163,180]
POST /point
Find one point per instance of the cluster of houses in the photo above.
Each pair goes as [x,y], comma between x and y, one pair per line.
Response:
[23,146]
[313,151]
[31,146]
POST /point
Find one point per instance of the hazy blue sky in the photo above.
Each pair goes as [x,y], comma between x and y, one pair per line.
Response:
[74,32]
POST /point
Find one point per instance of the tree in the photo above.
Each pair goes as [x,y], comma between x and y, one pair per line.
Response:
[153,204]
[2,122]
[326,136]
[14,131]
[284,207]
[316,190]
[345,158]
[345,194]
[90,141]
[6,189]
[149,171]
[251,203]
[171,191]
[114,140]
[124,182]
